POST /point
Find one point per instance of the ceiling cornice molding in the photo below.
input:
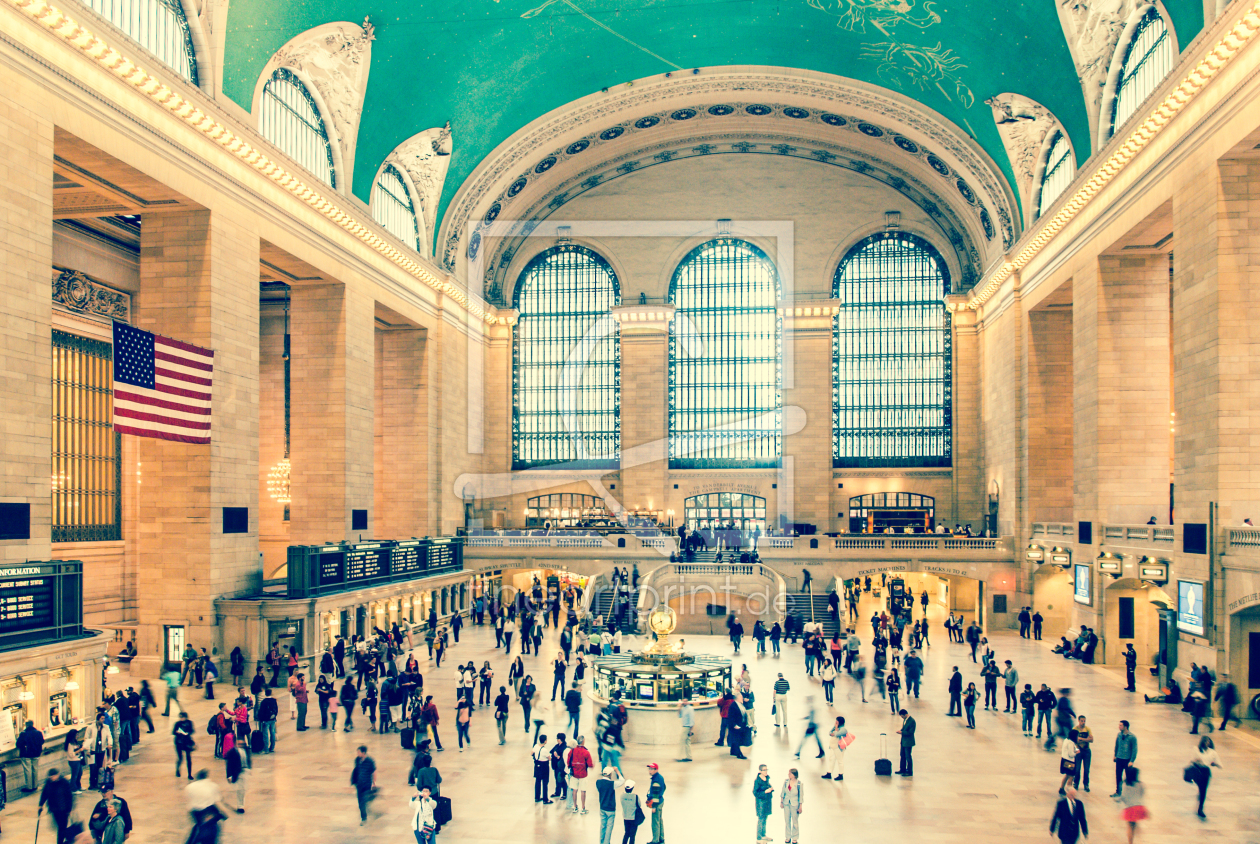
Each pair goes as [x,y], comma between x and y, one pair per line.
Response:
[1234,37]
[590,118]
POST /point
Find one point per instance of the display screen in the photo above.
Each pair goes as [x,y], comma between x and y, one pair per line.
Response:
[323,569]
[26,599]
[332,566]
[365,562]
[406,558]
[1190,607]
[1082,583]
[441,555]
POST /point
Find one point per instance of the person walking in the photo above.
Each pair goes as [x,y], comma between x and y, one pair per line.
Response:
[841,738]
[1067,761]
[527,692]
[501,704]
[656,802]
[59,798]
[913,665]
[1227,694]
[908,725]
[792,803]
[827,674]
[631,813]
[687,715]
[234,769]
[1134,801]
[1200,770]
[301,696]
[811,729]
[463,722]
[349,694]
[955,693]
[763,796]
[1069,819]
[606,789]
[892,684]
[781,688]
[1084,752]
[1028,706]
[363,778]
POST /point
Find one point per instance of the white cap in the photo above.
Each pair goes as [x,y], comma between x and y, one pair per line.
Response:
[629,785]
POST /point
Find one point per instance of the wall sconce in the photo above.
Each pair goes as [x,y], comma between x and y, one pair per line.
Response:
[1110,564]
[113,669]
[1060,556]
[1036,554]
[1153,569]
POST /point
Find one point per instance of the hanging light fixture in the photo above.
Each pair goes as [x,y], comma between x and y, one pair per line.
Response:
[278,478]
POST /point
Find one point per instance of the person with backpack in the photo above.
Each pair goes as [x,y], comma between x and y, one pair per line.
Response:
[632,814]
[324,692]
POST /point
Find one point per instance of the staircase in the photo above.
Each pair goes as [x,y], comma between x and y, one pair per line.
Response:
[799,603]
[601,604]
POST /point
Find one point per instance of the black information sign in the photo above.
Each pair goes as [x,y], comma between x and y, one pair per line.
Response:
[40,601]
[323,569]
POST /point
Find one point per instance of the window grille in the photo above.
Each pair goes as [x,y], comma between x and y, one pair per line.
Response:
[1147,60]
[392,207]
[290,119]
[1060,171]
[157,25]
[566,363]
[86,451]
[719,509]
[891,357]
[725,363]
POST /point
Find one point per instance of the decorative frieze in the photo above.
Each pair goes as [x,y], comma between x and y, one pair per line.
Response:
[78,293]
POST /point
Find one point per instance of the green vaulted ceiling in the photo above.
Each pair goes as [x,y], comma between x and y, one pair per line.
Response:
[492,67]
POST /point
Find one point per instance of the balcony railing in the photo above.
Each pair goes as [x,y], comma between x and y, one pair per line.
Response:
[1139,536]
[1245,540]
[918,543]
[1063,529]
[537,542]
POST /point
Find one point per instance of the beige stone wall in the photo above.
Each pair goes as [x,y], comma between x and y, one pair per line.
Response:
[273,530]
[402,437]
[1050,416]
[1001,403]
[26,353]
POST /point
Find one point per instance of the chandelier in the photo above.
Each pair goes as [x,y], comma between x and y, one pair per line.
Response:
[278,482]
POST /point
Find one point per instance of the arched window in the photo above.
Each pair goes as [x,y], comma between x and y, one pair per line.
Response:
[158,25]
[566,363]
[290,119]
[1147,60]
[1059,173]
[724,359]
[392,207]
[891,355]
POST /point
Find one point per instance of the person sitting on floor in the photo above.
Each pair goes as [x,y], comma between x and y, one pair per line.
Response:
[1172,694]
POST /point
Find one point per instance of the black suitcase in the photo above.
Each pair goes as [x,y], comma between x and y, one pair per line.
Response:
[257,741]
[408,738]
[442,814]
[883,765]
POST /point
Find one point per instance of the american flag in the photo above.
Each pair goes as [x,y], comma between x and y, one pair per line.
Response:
[161,386]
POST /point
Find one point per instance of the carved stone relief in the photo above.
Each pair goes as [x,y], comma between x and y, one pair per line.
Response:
[1023,125]
[74,291]
[425,158]
[1092,29]
[336,58]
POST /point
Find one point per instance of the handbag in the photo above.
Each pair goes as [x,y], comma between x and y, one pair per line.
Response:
[846,740]
[774,709]
[639,817]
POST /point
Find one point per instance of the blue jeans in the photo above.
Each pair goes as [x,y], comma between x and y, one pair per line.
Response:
[269,730]
[607,823]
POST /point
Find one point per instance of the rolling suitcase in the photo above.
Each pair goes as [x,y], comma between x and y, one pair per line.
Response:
[408,738]
[883,765]
[442,814]
[257,741]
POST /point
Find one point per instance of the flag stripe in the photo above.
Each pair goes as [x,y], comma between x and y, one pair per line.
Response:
[179,376]
[127,413]
[188,363]
[151,431]
[195,351]
[168,393]
[128,398]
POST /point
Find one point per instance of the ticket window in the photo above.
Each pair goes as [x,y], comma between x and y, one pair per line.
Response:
[17,712]
[60,713]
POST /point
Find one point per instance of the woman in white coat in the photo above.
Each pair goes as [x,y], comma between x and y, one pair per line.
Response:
[841,738]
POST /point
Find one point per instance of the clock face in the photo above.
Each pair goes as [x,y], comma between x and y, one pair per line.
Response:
[661,621]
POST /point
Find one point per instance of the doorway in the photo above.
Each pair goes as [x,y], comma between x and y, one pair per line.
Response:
[174,640]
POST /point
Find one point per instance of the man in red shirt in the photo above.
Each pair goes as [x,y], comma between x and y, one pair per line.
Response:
[724,705]
[580,763]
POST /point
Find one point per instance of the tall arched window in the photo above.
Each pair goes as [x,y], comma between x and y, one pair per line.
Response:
[290,119]
[1059,173]
[566,363]
[158,25]
[392,207]
[891,388]
[1148,58]
[725,402]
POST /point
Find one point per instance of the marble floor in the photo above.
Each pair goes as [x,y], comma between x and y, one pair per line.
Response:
[991,784]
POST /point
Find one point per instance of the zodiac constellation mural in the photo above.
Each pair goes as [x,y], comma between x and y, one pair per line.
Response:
[902,65]
[884,15]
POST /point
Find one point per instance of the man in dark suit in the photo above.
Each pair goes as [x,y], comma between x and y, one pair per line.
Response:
[906,765]
[955,694]
[1069,818]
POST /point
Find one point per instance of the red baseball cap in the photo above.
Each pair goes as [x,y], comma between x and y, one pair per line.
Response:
[654,766]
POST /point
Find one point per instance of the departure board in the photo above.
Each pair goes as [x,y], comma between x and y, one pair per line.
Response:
[332,564]
[366,562]
[442,555]
[406,558]
[26,599]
